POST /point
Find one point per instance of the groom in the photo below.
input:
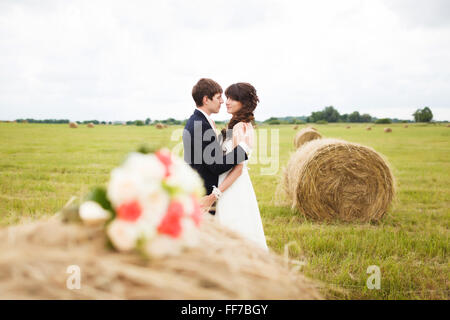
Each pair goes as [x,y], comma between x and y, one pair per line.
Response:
[202,149]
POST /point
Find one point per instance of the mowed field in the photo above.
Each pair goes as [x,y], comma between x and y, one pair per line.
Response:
[43,166]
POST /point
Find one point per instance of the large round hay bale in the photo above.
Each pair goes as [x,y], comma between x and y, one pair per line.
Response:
[159,126]
[387,130]
[90,125]
[331,179]
[448,126]
[73,125]
[305,135]
[34,261]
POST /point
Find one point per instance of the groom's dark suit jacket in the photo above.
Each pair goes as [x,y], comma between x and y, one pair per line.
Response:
[202,151]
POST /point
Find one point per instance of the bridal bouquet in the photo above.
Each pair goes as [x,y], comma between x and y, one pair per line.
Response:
[151,204]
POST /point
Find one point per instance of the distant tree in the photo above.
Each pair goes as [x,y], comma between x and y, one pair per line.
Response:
[139,123]
[330,114]
[366,117]
[148,121]
[344,118]
[423,115]
[383,121]
[273,121]
[354,117]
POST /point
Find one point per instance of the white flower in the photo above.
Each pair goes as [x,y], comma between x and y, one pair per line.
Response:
[155,202]
[123,187]
[184,177]
[123,234]
[146,166]
[92,213]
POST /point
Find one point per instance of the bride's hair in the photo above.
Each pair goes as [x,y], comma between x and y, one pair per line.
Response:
[245,93]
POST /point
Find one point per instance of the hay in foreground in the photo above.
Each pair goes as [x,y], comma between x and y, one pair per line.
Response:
[332,179]
[306,135]
[34,259]
[387,130]
[73,125]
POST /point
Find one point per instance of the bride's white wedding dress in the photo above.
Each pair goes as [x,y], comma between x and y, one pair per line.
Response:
[237,208]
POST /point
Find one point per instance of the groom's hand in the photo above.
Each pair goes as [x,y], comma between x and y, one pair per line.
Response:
[207,201]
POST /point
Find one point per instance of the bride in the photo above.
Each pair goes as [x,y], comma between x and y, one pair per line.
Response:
[237,208]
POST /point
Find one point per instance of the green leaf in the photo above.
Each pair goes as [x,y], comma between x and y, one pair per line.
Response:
[146,149]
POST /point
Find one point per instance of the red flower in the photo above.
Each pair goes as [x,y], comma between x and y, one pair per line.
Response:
[165,157]
[171,223]
[197,213]
[129,211]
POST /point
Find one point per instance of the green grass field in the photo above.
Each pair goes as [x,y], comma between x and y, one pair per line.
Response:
[42,166]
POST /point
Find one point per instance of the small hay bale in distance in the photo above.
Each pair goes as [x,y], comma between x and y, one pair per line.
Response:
[387,130]
[159,126]
[348,127]
[448,126]
[223,266]
[369,128]
[405,126]
[295,127]
[331,179]
[73,125]
[90,125]
[305,135]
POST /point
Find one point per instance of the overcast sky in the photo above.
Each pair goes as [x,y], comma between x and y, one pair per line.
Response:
[127,60]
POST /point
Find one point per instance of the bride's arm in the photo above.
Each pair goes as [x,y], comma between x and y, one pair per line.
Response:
[231,177]
[239,135]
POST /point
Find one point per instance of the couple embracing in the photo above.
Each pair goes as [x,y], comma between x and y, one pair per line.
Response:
[221,158]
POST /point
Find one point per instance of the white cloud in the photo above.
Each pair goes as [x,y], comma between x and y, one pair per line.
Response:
[133,60]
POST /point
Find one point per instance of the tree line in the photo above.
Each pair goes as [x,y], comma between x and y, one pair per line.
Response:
[328,114]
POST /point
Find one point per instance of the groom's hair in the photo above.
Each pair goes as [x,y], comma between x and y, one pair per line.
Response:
[205,87]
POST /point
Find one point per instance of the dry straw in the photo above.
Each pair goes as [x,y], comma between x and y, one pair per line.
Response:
[90,125]
[73,125]
[295,127]
[306,135]
[387,130]
[331,179]
[348,127]
[159,126]
[405,126]
[368,128]
[34,259]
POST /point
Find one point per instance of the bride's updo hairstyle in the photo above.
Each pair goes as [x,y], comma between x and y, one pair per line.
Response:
[245,93]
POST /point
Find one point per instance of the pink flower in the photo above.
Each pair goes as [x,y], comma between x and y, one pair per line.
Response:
[130,211]
[166,159]
[170,223]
